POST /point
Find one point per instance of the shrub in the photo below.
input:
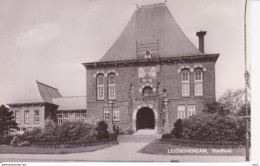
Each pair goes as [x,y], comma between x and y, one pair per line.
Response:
[129,131]
[25,143]
[178,129]
[213,127]
[15,141]
[166,136]
[101,129]
[6,140]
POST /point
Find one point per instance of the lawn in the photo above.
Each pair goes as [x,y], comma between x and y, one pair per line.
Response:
[7,149]
[169,149]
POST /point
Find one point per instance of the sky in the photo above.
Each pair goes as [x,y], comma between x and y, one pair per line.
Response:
[48,40]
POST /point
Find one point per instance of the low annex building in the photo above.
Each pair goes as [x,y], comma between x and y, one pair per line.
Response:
[47,103]
[152,75]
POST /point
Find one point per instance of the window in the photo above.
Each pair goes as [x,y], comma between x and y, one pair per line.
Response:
[26,116]
[60,119]
[65,117]
[100,87]
[181,112]
[17,116]
[111,86]
[185,82]
[36,116]
[191,110]
[77,117]
[147,91]
[83,117]
[23,129]
[106,114]
[116,114]
[198,82]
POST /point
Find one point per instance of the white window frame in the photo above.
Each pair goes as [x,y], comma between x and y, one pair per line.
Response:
[60,119]
[65,117]
[106,114]
[111,86]
[17,116]
[185,84]
[100,87]
[26,116]
[77,117]
[83,117]
[116,114]
[181,111]
[191,110]
[36,117]
[198,84]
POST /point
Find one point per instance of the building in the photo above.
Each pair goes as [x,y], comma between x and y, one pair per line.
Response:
[152,75]
[47,102]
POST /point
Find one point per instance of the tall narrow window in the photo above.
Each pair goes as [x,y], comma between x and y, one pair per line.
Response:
[111,86]
[116,114]
[191,110]
[36,116]
[77,117]
[106,114]
[181,112]
[100,87]
[17,116]
[198,82]
[185,82]
[26,116]
[60,119]
[65,117]
[83,117]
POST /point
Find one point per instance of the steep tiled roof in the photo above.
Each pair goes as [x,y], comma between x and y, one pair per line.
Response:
[70,103]
[47,92]
[149,24]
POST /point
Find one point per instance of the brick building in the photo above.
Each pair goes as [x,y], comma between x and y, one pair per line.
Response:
[44,102]
[152,75]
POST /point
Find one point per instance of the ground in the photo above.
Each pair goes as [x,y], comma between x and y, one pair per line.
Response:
[169,149]
[4,149]
[121,152]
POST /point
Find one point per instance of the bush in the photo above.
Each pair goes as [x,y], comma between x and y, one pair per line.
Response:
[15,141]
[213,127]
[25,143]
[6,140]
[166,136]
[129,131]
[178,129]
[101,129]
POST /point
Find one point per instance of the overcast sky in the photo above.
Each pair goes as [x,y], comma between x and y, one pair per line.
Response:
[48,40]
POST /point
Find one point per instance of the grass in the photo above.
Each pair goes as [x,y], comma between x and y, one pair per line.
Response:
[169,149]
[8,149]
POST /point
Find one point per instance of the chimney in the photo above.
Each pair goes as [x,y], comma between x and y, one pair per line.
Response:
[201,35]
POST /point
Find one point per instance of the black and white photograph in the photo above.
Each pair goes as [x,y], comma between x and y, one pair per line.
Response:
[125,81]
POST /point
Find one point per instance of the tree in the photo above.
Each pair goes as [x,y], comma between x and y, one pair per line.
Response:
[216,108]
[7,120]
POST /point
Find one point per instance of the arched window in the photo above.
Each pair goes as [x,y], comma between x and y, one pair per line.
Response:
[111,86]
[100,87]
[147,91]
[198,82]
[185,82]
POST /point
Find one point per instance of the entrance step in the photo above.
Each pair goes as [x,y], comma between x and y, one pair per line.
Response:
[145,132]
[143,135]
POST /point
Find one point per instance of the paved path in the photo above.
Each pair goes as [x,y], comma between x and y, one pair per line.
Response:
[120,152]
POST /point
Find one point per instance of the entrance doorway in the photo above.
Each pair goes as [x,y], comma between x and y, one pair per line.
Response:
[145,118]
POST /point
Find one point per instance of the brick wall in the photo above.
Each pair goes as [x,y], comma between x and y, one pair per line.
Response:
[169,77]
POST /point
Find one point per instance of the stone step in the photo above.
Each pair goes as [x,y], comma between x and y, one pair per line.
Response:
[138,138]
